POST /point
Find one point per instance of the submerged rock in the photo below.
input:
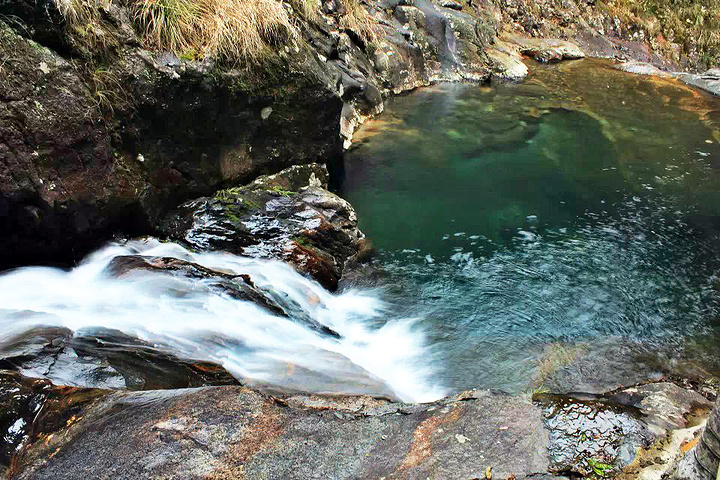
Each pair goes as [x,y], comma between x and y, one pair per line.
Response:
[289,216]
[104,358]
[237,286]
[240,287]
[708,81]
[604,434]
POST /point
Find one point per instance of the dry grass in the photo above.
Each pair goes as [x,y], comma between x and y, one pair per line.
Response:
[230,30]
[233,31]
[357,19]
[694,24]
[307,9]
[168,24]
[84,19]
[242,30]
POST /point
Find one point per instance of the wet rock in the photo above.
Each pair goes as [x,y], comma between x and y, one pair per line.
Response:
[240,287]
[103,358]
[642,68]
[32,409]
[708,81]
[289,216]
[613,432]
[507,63]
[701,462]
[585,432]
[237,432]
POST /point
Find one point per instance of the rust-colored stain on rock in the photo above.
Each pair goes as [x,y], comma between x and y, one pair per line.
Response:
[421,447]
[257,436]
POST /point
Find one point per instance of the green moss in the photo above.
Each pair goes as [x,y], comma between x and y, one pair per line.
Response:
[235,203]
[303,241]
[282,191]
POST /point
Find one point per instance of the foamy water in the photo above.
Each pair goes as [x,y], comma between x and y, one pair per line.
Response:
[192,320]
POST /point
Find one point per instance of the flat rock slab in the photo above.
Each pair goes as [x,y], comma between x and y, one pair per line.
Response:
[546,49]
[236,432]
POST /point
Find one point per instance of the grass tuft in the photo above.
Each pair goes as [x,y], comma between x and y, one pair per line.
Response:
[242,30]
[357,19]
[233,31]
[307,9]
[168,24]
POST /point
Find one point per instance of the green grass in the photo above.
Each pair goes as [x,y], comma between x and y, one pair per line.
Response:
[599,469]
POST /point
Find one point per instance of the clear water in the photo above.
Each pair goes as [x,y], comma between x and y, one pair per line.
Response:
[558,233]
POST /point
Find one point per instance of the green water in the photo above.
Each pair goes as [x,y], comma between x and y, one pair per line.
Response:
[562,232]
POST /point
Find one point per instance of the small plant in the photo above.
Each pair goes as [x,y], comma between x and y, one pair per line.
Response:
[303,241]
[598,468]
[534,392]
[107,90]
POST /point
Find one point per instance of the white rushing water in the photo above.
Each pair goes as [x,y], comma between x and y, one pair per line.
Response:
[192,320]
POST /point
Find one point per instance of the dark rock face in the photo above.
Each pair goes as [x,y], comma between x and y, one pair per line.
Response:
[55,154]
[288,216]
[89,150]
[236,432]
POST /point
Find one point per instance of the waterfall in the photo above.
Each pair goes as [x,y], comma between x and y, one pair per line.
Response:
[190,319]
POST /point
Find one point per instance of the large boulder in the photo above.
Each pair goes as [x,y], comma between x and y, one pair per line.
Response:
[237,432]
[289,216]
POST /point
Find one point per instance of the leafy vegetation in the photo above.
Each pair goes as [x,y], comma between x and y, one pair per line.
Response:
[598,468]
[693,24]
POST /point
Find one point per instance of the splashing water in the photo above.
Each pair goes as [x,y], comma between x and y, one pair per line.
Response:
[189,319]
